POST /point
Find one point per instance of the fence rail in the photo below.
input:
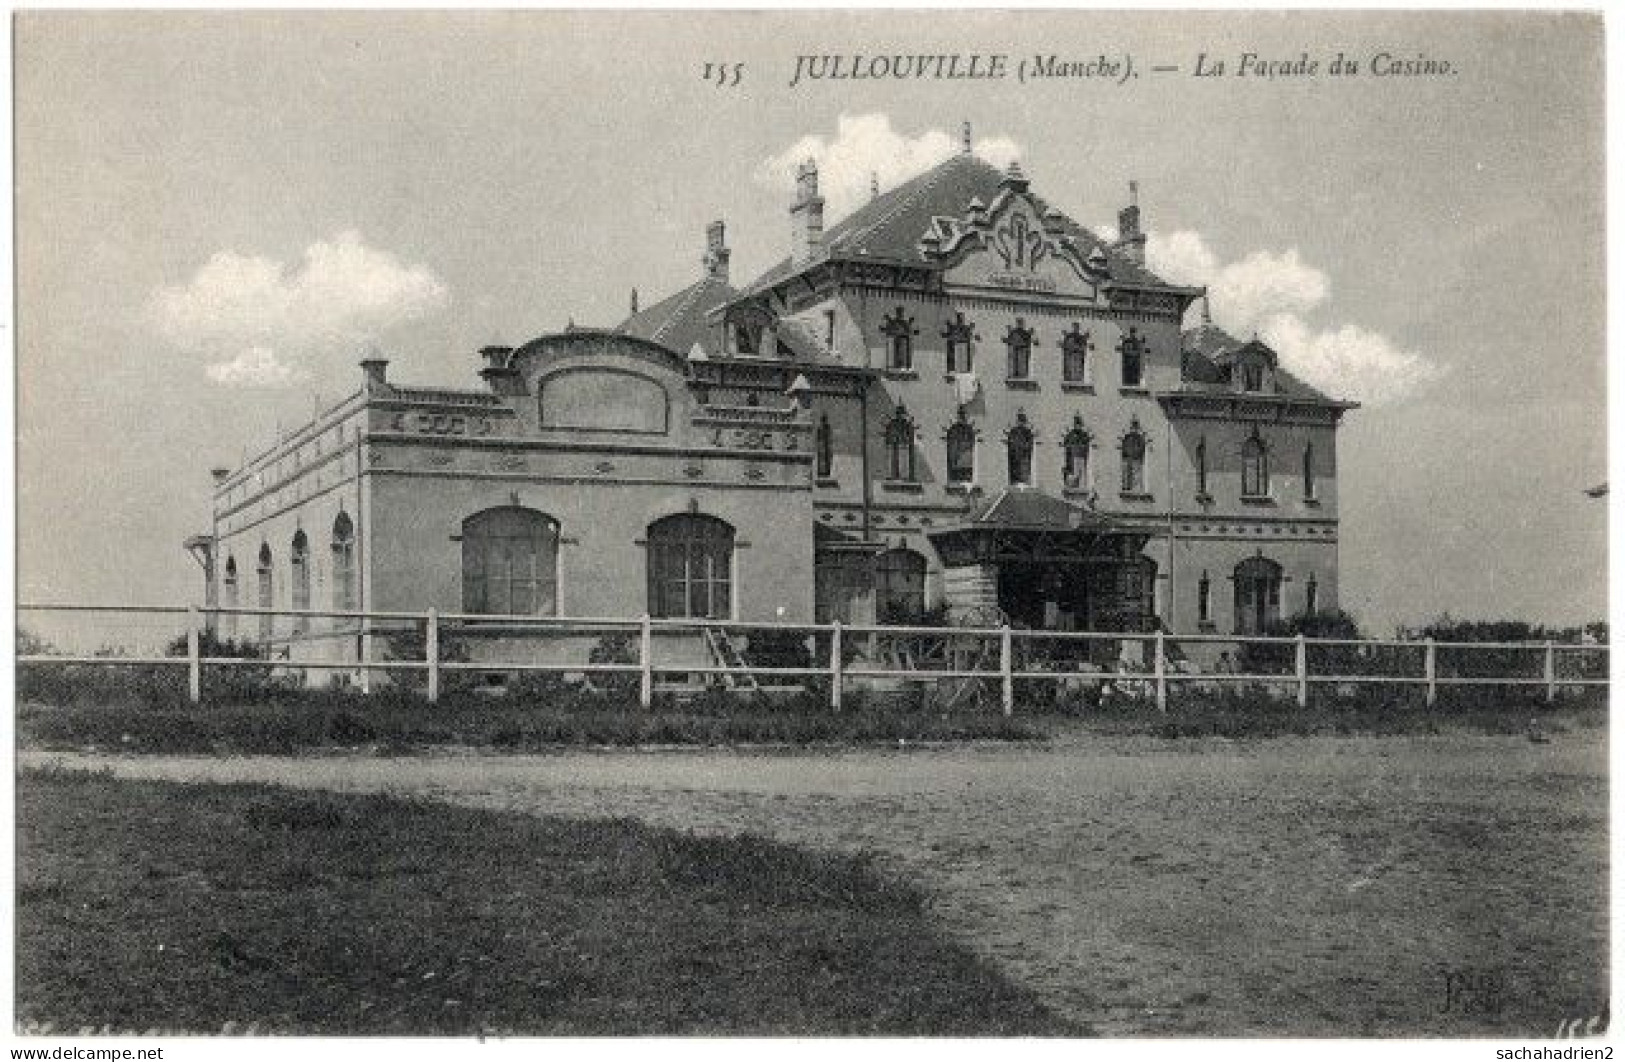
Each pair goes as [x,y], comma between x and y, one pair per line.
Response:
[1003,655]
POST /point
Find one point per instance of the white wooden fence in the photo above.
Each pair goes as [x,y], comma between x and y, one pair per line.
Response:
[1005,658]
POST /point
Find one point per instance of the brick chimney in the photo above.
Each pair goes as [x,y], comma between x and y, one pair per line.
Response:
[807,215]
[1130,240]
[716,251]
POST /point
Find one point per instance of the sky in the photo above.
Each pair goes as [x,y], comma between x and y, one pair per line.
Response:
[218,215]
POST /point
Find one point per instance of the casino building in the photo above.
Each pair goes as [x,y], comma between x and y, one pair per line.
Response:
[955,400]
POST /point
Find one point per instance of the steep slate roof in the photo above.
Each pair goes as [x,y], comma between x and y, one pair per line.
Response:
[888,228]
[679,322]
[1207,347]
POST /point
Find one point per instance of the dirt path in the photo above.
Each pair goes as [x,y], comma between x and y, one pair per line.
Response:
[1306,886]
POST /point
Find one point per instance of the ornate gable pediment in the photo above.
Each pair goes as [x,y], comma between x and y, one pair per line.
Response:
[1011,245]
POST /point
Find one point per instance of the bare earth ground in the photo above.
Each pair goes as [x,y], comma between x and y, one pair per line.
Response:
[1449,886]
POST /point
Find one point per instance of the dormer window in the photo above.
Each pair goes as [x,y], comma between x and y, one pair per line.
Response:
[1075,356]
[1132,349]
[1018,343]
[959,334]
[1252,376]
[744,339]
[899,332]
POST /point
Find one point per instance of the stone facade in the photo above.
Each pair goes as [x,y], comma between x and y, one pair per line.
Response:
[954,397]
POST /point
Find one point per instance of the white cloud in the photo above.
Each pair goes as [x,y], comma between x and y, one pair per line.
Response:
[256,367]
[1273,295]
[865,146]
[259,321]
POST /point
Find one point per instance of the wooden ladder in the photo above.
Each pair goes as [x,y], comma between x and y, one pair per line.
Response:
[728,655]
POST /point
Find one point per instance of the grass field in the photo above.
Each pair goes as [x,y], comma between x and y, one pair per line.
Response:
[204,907]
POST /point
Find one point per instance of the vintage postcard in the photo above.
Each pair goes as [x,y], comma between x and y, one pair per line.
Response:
[812,523]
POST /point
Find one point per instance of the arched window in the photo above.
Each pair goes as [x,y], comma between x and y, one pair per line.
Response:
[228,593]
[1075,356]
[1075,449]
[961,453]
[1018,344]
[824,449]
[900,447]
[1201,468]
[1255,468]
[1204,599]
[1309,471]
[299,566]
[899,586]
[1311,597]
[959,334]
[1018,444]
[1258,595]
[1134,462]
[344,585]
[1132,349]
[510,563]
[264,599]
[691,567]
[899,332]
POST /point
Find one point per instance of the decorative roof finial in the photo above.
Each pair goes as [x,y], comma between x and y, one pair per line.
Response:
[634,300]
[1207,315]
[874,185]
[965,142]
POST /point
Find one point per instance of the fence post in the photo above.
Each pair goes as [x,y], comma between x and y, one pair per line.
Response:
[1430,671]
[431,652]
[1159,668]
[194,656]
[1302,664]
[1551,673]
[1006,667]
[646,672]
[835,666]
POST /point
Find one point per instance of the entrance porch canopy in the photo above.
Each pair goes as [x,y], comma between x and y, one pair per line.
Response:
[1021,524]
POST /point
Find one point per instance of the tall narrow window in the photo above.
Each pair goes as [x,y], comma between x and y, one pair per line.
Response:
[1075,356]
[899,586]
[959,335]
[1255,468]
[900,447]
[824,447]
[899,332]
[1204,599]
[1134,462]
[1075,466]
[264,599]
[829,329]
[1018,445]
[691,567]
[1309,471]
[1132,349]
[510,563]
[1201,468]
[1252,376]
[228,593]
[1018,344]
[1258,595]
[344,583]
[961,453]
[1311,597]
[299,567]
